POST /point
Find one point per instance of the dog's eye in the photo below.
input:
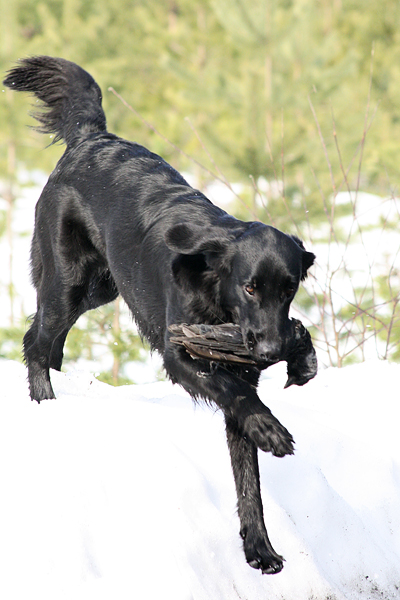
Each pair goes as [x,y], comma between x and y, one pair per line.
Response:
[250,289]
[289,292]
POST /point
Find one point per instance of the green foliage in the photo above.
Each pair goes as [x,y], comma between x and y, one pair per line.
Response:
[96,334]
[11,342]
[284,92]
[242,71]
[389,314]
[99,332]
[3,222]
[107,377]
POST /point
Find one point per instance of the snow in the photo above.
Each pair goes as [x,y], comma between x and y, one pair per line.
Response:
[127,492]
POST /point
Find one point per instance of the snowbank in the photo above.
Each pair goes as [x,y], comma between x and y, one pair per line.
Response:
[127,492]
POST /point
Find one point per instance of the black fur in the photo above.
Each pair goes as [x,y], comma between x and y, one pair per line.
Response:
[115,218]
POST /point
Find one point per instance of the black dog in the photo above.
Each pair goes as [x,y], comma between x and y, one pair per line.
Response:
[114,219]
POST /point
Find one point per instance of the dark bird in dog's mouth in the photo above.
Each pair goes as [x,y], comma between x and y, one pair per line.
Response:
[224,344]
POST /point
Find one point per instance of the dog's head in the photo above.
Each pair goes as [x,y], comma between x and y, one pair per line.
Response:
[256,270]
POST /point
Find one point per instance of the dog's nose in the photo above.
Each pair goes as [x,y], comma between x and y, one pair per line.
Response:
[264,349]
[269,351]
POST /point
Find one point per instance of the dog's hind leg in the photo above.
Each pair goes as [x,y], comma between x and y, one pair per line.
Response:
[257,547]
[59,309]
[47,325]
[100,290]
[57,354]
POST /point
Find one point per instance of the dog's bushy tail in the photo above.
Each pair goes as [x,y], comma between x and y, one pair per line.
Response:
[70,94]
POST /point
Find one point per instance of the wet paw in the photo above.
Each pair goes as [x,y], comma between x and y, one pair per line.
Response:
[268,434]
[260,555]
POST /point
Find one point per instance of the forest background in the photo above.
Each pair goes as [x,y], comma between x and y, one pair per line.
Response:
[293,105]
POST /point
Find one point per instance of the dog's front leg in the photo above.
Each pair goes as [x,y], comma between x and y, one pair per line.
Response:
[257,547]
[235,396]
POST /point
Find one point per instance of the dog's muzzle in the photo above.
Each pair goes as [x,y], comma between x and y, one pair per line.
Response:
[263,349]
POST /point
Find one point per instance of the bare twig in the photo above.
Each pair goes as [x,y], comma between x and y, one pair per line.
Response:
[323,144]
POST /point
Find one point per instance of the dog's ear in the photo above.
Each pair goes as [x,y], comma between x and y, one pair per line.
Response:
[308,261]
[190,239]
[308,257]
[214,244]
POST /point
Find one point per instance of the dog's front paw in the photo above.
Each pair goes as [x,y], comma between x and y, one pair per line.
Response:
[260,554]
[268,434]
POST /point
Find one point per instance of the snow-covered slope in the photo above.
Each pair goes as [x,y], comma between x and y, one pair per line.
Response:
[126,493]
